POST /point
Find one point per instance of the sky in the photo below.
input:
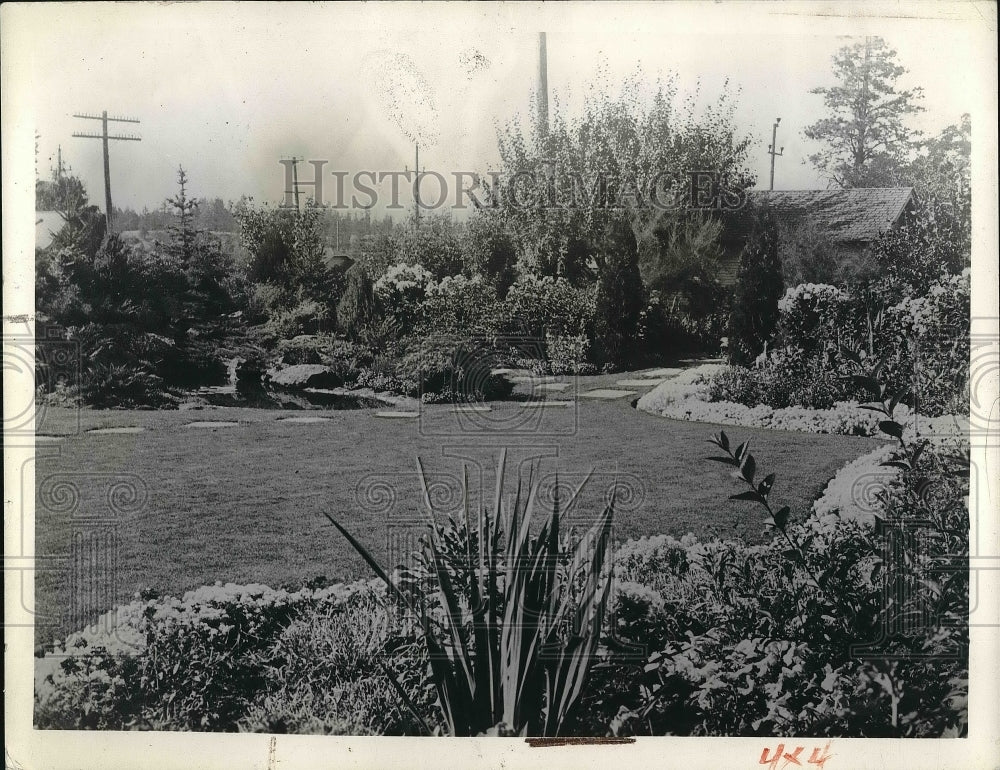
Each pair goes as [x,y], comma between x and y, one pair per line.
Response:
[227,91]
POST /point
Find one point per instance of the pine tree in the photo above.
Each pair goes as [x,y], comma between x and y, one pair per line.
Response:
[866,141]
[182,232]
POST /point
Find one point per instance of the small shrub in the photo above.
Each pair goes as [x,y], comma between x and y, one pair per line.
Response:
[566,354]
[122,386]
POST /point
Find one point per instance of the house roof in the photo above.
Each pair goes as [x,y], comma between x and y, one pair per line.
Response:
[856,214]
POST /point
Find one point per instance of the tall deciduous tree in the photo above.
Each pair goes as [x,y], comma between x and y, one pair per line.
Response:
[866,142]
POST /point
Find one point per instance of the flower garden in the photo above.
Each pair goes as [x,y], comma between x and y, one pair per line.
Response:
[839,607]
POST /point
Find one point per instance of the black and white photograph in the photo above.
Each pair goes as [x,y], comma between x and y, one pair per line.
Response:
[605,378]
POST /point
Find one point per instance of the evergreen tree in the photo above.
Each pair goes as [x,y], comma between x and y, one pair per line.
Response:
[760,286]
[866,141]
[619,296]
[356,309]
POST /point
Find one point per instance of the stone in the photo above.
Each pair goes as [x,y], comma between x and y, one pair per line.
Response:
[661,373]
[212,424]
[558,387]
[122,429]
[302,376]
[303,420]
[607,393]
[644,383]
[397,415]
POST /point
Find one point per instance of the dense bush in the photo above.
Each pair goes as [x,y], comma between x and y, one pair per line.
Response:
[831,629]
[618,296]
[567,354]
[759,287]
[200,662]
[460,305]
[814,318]
[450,369]
[400,293]
[356,310]
[536,306]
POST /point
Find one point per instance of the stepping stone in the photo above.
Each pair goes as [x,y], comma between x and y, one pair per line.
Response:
[303,420]
[397,415]
[552,386]
[647,383]
[460,408]
[212,424]
[666,372]
[502,371]
[43,439]
[130,429]
[607,393]
[538,404]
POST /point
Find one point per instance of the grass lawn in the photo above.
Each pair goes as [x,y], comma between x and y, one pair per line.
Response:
[244,503]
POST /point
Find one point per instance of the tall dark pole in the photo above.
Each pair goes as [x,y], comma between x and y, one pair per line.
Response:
[416,189]
[107,168]
[543,87]
[771,151]
[105,137]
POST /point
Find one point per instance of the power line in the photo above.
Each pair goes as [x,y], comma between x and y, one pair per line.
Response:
[105,138]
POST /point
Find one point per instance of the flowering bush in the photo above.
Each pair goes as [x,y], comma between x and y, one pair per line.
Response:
[812,316]
[537,305]
[193,663]
[845,418]
[460,305]
[400,292]
[928,337]
[792,637]
[567,354]
[452,368]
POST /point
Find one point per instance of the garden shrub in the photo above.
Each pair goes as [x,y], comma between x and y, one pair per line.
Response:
[400,293]
[198,662]
[765,639]
[814,318]
[539,305]
[460,305]
[618,296]
[452,369]
[356,310]
[303,349]
[758,289]
[567,354]
[122,386]
[928,341]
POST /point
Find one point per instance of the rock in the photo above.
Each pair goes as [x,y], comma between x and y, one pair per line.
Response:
[304,376]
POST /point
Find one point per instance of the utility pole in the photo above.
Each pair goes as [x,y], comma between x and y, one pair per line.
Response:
[770,148]
[104,137]
[543,87]
[295,180]
[416,190]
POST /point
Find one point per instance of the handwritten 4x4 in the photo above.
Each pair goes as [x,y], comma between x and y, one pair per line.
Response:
[818,756]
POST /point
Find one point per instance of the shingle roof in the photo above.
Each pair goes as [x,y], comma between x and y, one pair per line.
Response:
[857,214]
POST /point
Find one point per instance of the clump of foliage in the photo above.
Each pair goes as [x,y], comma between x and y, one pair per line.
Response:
[519,616]
[755,305]
[144,321]
[618,297]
